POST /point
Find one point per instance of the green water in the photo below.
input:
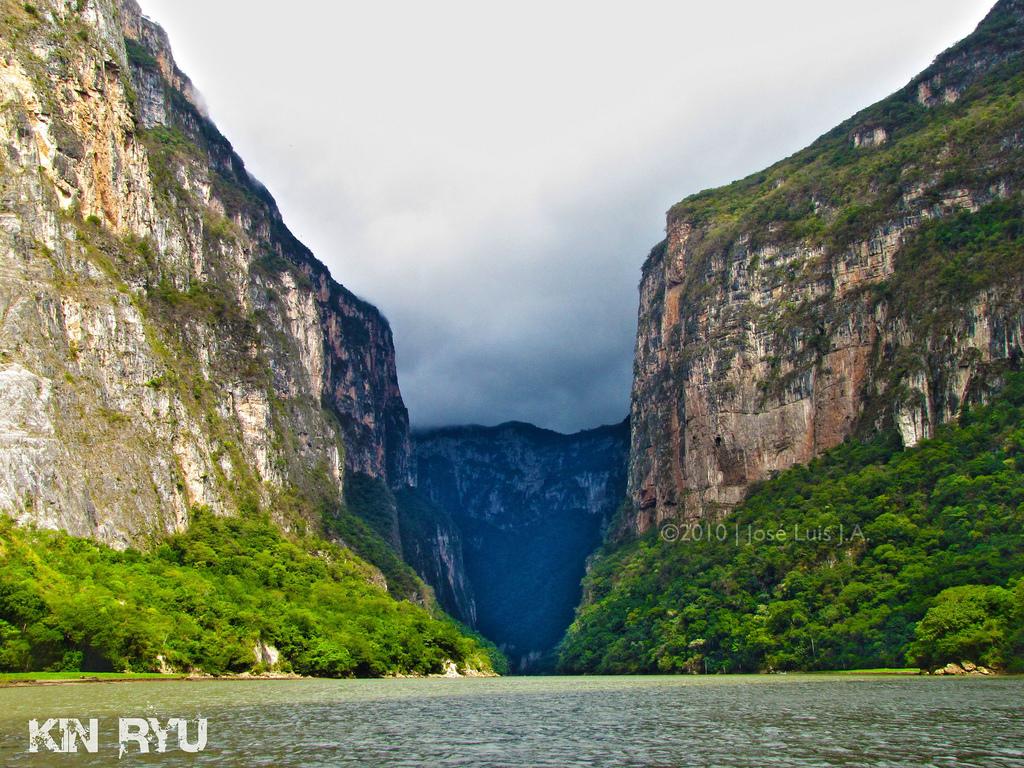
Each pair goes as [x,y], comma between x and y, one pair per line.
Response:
[570,721]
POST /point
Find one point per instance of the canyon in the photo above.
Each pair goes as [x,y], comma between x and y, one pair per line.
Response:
[169,349]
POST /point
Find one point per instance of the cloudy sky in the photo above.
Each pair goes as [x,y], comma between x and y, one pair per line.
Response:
[493,175]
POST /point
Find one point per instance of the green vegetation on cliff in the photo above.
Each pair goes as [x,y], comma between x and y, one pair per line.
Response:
[203,599]
[870,556]
[929,147]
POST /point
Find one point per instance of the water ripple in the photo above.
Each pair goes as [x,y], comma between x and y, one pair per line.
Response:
[628,722]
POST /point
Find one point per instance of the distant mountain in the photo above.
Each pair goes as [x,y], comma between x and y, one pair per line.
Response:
[523,508]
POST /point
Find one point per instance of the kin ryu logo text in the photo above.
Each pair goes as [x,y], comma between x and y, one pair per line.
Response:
[139,735]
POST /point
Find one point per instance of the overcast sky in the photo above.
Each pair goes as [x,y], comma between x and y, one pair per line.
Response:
[493,175]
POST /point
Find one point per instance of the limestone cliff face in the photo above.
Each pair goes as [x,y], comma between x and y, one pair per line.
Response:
[525,508]
[165,341]
[854,286]
[432,543]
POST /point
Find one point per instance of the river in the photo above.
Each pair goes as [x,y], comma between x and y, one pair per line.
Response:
[755,721]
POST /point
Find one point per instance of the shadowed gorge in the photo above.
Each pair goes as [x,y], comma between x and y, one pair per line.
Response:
[530,506]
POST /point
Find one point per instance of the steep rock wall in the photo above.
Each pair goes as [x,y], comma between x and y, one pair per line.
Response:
[165,341]
[841,291]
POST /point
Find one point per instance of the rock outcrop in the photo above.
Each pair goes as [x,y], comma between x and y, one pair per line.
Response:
[432,543]
[871,281]
[165,341]
[517,510]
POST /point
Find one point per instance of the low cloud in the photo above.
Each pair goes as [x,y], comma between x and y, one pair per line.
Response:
[493,177]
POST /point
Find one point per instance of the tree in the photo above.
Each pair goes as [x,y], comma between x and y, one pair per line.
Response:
[968,623]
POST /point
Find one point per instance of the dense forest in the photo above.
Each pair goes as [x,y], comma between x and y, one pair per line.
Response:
[870,556]
[203,599]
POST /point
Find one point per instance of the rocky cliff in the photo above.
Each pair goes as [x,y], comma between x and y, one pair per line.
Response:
[165,341]
[514,512]
[871,280]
